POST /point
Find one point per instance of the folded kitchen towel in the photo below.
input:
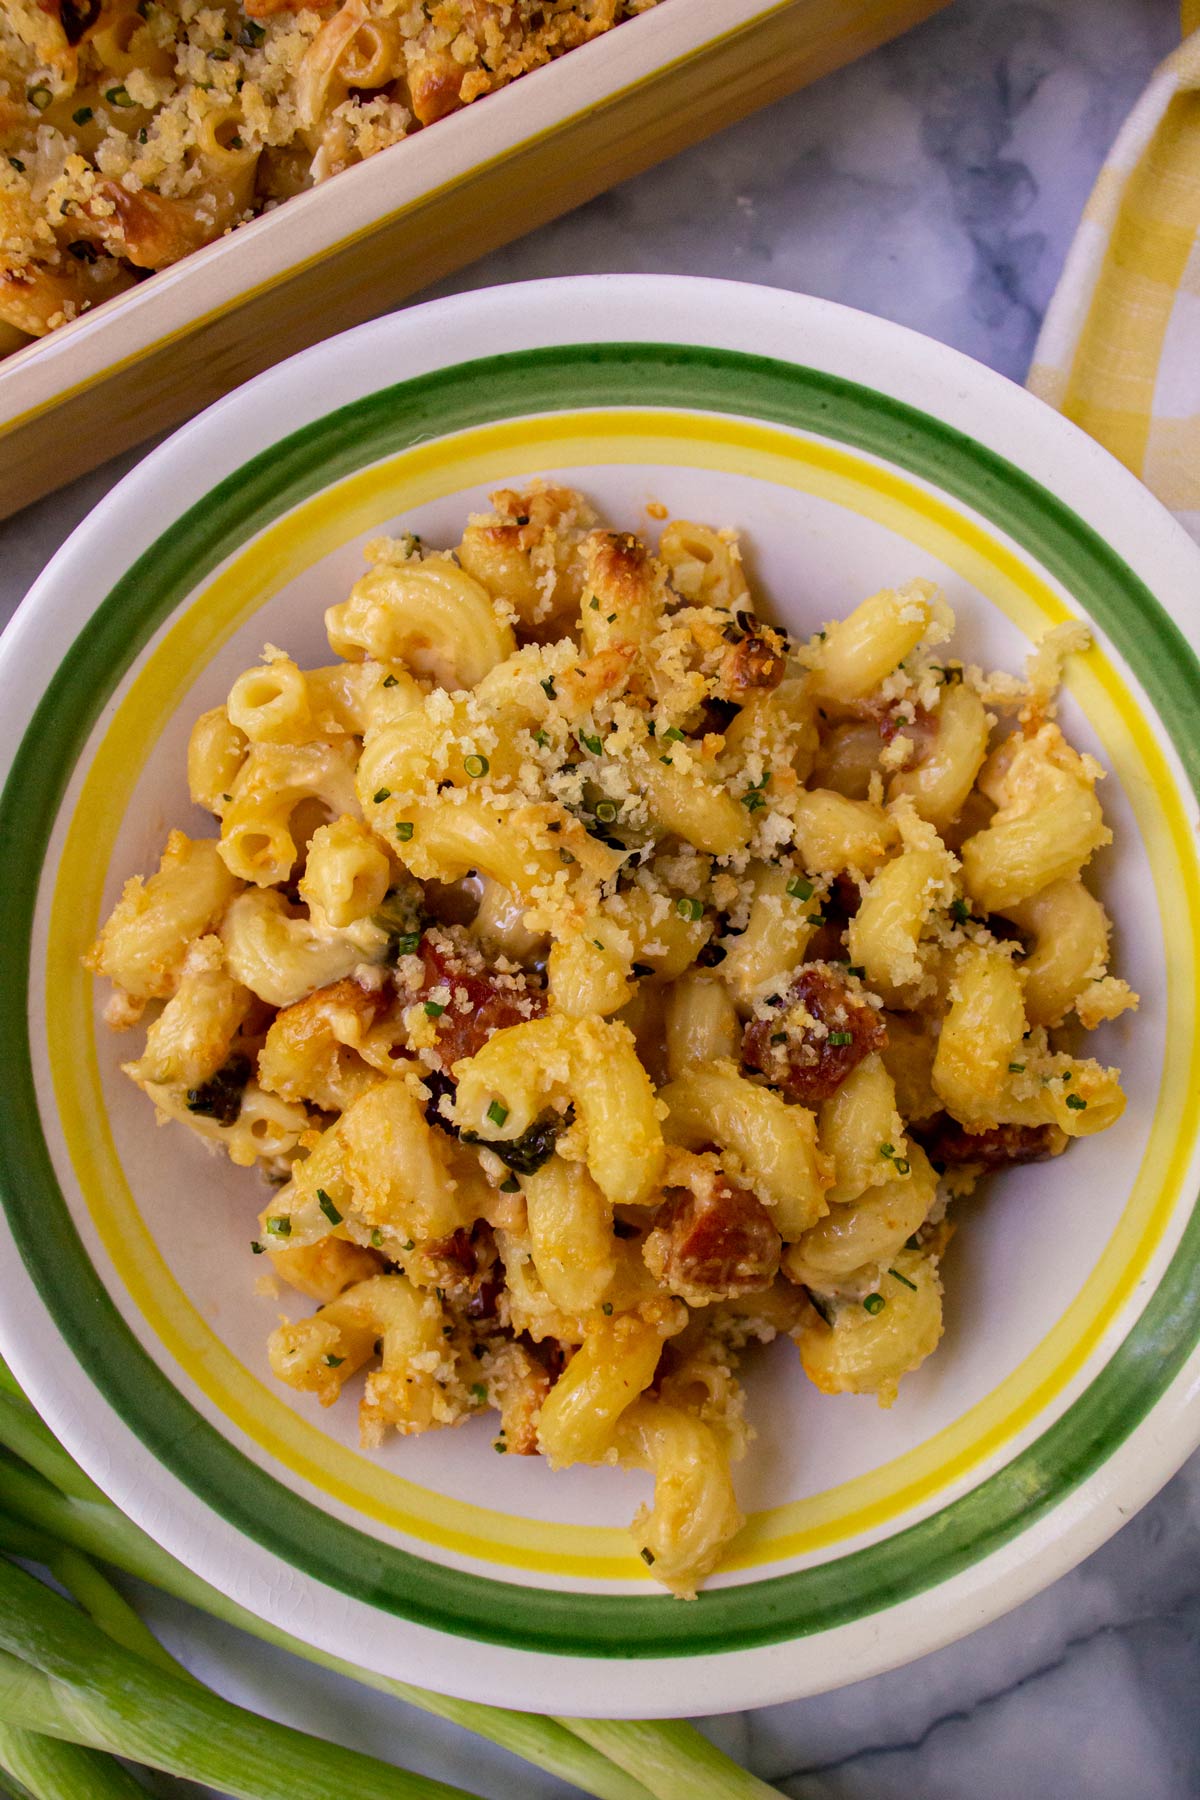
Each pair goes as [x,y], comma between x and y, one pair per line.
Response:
[1119,351]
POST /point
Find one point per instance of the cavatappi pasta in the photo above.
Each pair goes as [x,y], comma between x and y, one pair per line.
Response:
[135,131]
[604,981]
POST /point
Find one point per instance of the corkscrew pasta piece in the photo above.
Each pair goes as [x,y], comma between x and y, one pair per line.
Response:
[604,981]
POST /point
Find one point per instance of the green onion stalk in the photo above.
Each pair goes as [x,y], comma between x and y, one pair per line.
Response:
[78,1681]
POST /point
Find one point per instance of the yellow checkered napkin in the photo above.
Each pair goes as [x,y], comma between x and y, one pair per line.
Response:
[1120,349]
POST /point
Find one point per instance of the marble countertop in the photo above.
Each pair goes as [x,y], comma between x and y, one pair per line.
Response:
[952,214]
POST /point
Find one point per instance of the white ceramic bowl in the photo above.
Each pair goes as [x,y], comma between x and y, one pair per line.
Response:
[853,454]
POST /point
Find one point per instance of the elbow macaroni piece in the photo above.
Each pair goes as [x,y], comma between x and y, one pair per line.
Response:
[281,957]
[591,1062]
[861,650]
[783,917]
[346,873]
[144,943]
[702,1025]
[986,1073]
[773,1143]
[517,966]
[427,613]
[861,1130]
[868,1352]
[1047,825]
[695,1512]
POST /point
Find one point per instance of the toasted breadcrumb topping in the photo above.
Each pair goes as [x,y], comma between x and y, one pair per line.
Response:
[135,131]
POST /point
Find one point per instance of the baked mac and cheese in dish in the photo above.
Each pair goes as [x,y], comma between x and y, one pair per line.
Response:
[135,131]
[604,981]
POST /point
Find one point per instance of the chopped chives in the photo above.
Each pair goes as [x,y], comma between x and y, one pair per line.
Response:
[799,888]
[382,794]
[510,1185]
[959,911]
[688,907]
[549,689]
[434,1009]
[328,1208]
[39,96]
[904,1279]
[404,830]
[280,1227]
[1016,1068]
[118,96]
[590,742]
[647,1556]
[606,1309]
[83,116]
[497,1113]
[377,1239]
[476,766]
[874,1303]
[389,681]
[838,1039]
[1076,1102]
[333,1362]
[673,735]
[256,1247]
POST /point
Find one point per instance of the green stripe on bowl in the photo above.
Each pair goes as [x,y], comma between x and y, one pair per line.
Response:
[346,1558]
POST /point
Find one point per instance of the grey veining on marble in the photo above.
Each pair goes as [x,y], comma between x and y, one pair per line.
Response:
[937,183]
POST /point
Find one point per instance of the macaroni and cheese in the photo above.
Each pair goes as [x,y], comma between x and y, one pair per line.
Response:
[135,131]
[605,981]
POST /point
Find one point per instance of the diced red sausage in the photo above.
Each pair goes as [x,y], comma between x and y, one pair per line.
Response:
[718,1242]
[481,999]
[949,1144]
[809,1061]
